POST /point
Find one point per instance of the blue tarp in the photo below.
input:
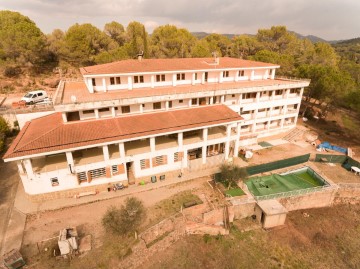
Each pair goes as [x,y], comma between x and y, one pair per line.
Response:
[327,145]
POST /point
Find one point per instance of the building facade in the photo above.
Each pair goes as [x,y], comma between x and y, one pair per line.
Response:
[137,119]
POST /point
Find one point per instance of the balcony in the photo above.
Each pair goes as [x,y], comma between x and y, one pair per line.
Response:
[114,152]
[49,163]
[165,142]
[192,137]
[87,156]
[216,132]
[137,147]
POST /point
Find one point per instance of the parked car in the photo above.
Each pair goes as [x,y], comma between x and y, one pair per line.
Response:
[34,97]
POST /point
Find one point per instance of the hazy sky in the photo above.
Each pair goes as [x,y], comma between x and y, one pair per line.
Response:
[328,19]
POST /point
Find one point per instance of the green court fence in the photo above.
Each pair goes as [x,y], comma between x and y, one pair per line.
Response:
[350,162]
[330,158]
[261,168]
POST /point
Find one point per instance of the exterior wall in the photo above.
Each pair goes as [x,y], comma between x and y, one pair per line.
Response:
[244,210]
[312,200]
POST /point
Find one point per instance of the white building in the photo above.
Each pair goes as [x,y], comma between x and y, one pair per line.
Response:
[136,119]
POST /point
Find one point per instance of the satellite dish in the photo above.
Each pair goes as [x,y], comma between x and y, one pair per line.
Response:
[73,99]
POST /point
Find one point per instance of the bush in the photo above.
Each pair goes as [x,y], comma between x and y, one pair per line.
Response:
[231,174]
[4,126]
[126,219]
[12,71]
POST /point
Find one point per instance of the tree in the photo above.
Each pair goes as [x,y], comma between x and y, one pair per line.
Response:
[231,174]
[82,42]
[284,60]
[220,44]
[21,41]
[4,131]
[277,39]
[244,46]
[201,49]
[126,219]
[170,42]
[116,31]
[136,38]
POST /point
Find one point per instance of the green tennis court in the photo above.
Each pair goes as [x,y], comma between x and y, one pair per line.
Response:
[277,183]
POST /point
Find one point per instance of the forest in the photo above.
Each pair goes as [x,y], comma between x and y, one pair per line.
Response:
[334,69]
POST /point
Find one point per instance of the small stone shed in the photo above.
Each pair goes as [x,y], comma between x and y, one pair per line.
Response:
[270,213]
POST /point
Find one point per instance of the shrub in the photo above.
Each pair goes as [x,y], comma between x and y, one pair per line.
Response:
[4,126]
[125,219]
[12,71]
[231,174]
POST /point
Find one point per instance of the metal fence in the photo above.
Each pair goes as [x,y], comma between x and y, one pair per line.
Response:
[292,193]
[257,169]
[330,158]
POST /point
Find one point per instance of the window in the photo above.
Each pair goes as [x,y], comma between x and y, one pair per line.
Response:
[96,173]
[241,73]
[170,104]
[54,181]
[233,95]
[294,91]
[114,169]
[160,78]
[157,105]
[262,110]
[143,164]
[40,94]
[115,80]
[278,92]
[195,76]
[88,111]
[143,105]
[105,109]
[180,76]
[250,95]
[225,74]
[206,76]
[93,82]
[181,101]
[138,79]
[125,109]
[194,101]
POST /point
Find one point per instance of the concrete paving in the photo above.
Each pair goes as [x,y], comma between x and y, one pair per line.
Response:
[27,207]
[15,229]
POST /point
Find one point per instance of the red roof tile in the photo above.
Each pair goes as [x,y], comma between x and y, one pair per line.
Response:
[162,65]
[82,94]
[49,133]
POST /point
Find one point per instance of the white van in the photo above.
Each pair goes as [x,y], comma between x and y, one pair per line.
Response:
[34,97]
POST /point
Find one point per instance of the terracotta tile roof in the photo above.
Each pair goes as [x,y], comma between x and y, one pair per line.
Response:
[161,65]
[49,133]
[83,95]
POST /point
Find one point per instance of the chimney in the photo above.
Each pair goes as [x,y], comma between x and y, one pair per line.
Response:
[140,56]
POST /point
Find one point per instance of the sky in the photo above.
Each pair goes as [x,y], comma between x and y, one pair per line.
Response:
[328,19]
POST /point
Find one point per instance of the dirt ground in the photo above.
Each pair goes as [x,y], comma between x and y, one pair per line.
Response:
[321,238]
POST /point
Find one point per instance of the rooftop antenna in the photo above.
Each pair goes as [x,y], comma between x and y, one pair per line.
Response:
[216,59]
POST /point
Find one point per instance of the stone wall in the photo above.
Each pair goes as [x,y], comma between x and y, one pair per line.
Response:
[244,210]
[311,200]
[348,193]
[164,227]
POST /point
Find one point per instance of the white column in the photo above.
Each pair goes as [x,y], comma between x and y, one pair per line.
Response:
[240,98]
[180,140]
[106,153]
[96,113]
[130,83]
[28,168]
[236,77]
[222,99]
[257,97]
[104,84]
[113,112]
[301,92]
[152,144]
[185,159]
[69,158]
[237,141]
[211,100]
[190,100]
[266,75]
[152,81]
[282,123]
[227,143]
[122,150]
[20,167]
[167,105]
[193,79]
[64,117]
[141,108]
[205,138]
[252,74]
[272,73]
[203,78]
[220,76]
[90,85]
[174,79]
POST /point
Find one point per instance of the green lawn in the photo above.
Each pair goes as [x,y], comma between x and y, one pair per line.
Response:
[235,192]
